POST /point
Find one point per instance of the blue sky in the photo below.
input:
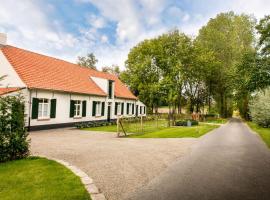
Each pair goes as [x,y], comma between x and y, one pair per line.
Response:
[108,28]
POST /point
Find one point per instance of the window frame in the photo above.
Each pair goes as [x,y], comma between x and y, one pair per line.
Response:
[119,107]
[98,108]
[77,104]
[42,116]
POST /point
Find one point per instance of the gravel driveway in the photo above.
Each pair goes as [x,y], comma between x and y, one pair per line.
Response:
[118,166]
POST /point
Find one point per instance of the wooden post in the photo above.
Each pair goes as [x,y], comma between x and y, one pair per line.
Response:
[118,126]
[142,123]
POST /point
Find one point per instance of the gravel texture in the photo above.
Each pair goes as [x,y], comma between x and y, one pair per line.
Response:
[118,166]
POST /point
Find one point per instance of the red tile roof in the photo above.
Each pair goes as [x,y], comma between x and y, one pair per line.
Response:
[8,90]
[44,72]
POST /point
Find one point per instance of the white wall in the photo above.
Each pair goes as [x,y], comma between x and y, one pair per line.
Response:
[63,107]
[12,79]
[102,83]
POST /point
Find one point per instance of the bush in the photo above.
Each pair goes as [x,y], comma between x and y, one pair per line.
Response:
[13,135]
[81,125]
[185,123]
[260,108]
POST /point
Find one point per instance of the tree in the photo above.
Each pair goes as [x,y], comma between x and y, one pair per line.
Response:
[260,108]
[114,69]
[228,37]
[263,29]
[89,61]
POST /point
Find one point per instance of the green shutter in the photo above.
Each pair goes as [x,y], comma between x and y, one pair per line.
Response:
[115,109]
[94,108]
[53,108]
[84,108]
[144,110]
[133,109]
[71,108]
[102,108]
[122,108]
[110,89]
[35,108]
[137,110]
[127,108]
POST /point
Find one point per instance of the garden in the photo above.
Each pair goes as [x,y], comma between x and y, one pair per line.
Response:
[26,177]
[155,126]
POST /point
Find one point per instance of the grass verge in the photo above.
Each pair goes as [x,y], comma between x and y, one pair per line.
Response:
[177,132]
[38,178]
[263,132]
[171,132]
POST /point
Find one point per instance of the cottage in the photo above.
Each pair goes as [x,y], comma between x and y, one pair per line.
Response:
[59,93]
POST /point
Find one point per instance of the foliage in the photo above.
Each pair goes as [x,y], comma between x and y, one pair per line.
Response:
[263,29]
[81,125]
[260,108]
[13,136]
[88,61]
[263,132]
[253,73]
[114,69]
[38,178]
[228,37]
[185,123]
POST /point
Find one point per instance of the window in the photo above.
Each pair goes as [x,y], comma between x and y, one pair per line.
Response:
[43,108]
[98,108]
[77,108]
[119,109]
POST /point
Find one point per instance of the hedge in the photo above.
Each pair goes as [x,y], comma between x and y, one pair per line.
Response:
[13,135]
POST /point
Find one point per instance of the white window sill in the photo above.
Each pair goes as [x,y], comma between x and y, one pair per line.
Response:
[77,117]
[44,119]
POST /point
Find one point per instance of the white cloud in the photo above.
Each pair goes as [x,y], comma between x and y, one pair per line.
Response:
[30,26]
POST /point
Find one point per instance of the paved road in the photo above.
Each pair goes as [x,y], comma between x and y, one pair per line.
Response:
[230,163]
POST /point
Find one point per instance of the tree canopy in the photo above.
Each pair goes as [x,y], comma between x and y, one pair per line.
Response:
[89,61]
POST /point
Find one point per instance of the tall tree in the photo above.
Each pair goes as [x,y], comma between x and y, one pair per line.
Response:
[89,61]
[228,36]
[263,29]
[114,69]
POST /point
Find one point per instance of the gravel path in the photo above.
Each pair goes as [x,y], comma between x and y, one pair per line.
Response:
[119,166]
[229,163]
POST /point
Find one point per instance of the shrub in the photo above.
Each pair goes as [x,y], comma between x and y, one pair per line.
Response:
[185,123]
[13,135]
[260,108]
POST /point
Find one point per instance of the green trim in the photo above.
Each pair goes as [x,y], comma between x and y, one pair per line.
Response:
[71,108]
[94,108]
[53,108]
[102,108]
[122,108]
[84,109]
[35,108]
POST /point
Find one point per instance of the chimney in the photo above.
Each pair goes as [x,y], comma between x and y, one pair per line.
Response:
[3,39]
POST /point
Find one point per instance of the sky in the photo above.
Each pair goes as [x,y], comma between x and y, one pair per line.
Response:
[67,29]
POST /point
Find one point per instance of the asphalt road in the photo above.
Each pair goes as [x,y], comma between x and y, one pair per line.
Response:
[231,163]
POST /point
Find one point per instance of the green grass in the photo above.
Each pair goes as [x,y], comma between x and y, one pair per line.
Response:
[263,132]
[177,132]
[148,126]
[38,178]
[151,131]
[216,121]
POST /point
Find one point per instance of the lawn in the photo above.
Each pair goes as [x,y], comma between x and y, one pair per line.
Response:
[216,121]
[151,131]
[38,178]
[263,132]
[177,132]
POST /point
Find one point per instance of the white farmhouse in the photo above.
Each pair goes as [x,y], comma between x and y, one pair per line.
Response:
[59,93]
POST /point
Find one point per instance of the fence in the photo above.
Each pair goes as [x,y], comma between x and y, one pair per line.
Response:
[151,123]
